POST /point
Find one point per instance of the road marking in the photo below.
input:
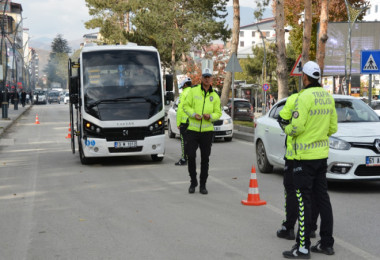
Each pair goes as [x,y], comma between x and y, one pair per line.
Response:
[355,250]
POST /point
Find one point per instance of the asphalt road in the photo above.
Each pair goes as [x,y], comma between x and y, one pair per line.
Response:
[52,207]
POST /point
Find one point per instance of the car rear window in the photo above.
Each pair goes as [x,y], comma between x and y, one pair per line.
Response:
[242,104]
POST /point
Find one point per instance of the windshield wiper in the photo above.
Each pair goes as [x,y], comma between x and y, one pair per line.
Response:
[150,100]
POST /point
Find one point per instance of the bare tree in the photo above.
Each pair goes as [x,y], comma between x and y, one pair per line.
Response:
[322,38]
[307,31]
[282,72]
[234,48]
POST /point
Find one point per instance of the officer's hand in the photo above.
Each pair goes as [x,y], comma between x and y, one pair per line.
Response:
[198,117]
[206,116]
[178,127]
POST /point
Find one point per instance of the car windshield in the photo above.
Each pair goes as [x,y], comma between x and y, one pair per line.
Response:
[53,94]
[354,110]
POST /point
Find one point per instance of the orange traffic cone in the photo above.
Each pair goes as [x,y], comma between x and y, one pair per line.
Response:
[37,121]
[69,134]
[253,192]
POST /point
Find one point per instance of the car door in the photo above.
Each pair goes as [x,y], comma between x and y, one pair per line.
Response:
[275,135]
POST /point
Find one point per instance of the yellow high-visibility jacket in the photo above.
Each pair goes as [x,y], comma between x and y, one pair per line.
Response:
[199,102]
[181,115]
[314,119]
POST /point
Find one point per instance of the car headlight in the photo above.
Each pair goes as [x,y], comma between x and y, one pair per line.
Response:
[227,121]
[338,144]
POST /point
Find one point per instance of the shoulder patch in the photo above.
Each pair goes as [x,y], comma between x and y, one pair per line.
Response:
[295,114]
[211,98]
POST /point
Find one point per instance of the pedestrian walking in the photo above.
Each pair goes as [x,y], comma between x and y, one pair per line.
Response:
[183,120]
[314,119]
[202,105]
[23,98]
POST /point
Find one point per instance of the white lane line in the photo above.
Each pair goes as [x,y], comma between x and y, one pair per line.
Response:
[355,250]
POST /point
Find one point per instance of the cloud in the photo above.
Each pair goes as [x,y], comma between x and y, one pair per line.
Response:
[47,18]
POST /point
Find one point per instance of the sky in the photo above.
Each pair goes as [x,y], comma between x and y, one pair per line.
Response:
[47,18]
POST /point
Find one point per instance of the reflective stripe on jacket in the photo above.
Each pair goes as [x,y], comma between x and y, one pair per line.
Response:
[199,102]
[314,119]
[181,115]
[286,113]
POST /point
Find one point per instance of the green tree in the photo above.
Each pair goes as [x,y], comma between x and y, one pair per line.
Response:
[56,68]
[176,26]
[112,19]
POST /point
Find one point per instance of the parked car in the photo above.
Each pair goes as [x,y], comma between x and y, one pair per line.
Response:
[243,109]
[66,99]
[40,97]
[223,128]
[375,105]
[354,149]
[54,97]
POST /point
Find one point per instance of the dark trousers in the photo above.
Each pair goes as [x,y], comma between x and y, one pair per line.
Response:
[291,202]
[309,178]
[203,141]
[183,134]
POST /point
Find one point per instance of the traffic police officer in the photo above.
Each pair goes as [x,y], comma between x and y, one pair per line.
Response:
[291,203]
[314,119]
[182,120]
[202,105]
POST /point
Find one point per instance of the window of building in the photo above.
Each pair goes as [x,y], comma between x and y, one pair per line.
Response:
[253,33]
[253,42]
[241,33]
[376,8]
[242,44]
[369,11]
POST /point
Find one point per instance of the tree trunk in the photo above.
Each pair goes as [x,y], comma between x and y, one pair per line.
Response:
[282,72]
[173,69]
[322,37]
[306,31]
[234,47]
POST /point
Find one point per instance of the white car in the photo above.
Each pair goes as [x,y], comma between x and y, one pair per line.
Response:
[354,149]
[66,99]
[375,105]
[223,128]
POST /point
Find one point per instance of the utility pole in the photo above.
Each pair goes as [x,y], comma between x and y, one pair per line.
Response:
[2,78]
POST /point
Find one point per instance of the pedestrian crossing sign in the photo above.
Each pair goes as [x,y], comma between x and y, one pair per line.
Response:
[370,61]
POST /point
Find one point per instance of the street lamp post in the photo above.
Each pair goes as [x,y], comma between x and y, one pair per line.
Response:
[4,105]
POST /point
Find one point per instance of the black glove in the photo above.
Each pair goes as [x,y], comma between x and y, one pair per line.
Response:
[283,123]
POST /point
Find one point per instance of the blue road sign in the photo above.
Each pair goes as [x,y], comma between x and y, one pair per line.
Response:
[370,62]
[265,87]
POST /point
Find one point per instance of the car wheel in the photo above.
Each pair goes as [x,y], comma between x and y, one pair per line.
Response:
[156,158]
[170,132]
[262,159]
[228,139]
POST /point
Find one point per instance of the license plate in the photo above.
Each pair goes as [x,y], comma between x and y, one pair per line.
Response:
[372,161]
[125,144]
[242,110]
[217,128]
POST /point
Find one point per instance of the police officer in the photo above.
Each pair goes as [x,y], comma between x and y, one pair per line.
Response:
[182,120]
[202,105]
[314,119]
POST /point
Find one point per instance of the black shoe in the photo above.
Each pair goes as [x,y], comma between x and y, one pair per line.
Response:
[295,254]
[193,185]
[318,248]
[312,234]
[203,190]
[286,233]
[181,162]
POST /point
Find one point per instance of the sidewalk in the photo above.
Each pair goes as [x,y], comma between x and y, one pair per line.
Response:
[245,133]
[13,115]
